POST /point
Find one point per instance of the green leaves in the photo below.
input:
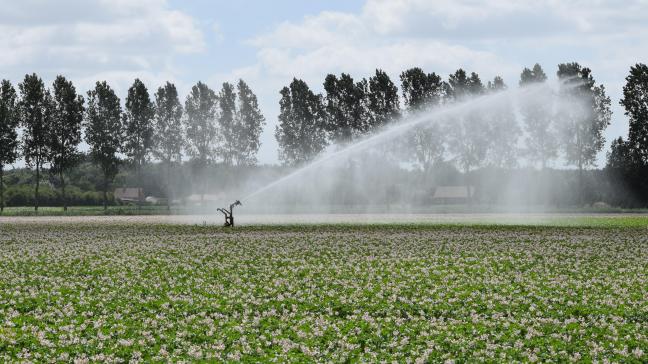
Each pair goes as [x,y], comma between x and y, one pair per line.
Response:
[322,293]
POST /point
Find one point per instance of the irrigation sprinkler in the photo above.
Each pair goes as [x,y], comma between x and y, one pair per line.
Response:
[229,214]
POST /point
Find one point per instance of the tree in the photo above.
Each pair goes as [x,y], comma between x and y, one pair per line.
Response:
[167,136]
[541,143]
[228,123]
[383,104]
[584,114]
[9,121]
[250,121]
[458,86]
[346,107]
[301,132]
[628,176]
[426,144]
[469,134]
[423,91]
[138,126]
[200,108]
[504,130]
[635,102]
[620,155]
[65,130]
[35,116]
[627,160]
[104,132]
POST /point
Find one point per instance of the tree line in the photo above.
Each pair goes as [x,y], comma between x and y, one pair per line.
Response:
[350,109]
[225,126]
[210,127]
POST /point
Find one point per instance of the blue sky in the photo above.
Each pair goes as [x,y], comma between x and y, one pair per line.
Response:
[269,42]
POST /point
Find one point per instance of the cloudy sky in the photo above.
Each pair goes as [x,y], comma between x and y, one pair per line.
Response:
[267,43]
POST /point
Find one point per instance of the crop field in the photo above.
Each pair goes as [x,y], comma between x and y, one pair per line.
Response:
[142,292]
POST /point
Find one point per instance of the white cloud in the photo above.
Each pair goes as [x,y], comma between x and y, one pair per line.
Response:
[89,39]
[496,37]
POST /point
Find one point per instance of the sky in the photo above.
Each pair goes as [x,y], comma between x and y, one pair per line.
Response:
[267,43]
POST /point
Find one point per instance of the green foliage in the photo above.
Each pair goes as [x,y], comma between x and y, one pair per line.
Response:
[469,138]
[65,131]
[635,102]
[584,119]
[383,103]
[420,90]
[200,108]
[104,131]
[542,141]
[331,293]
[168,133]
[137,138]
[347,115]
[35,108]
[503,129]
[9,122]
[628,159]
[250,122]
[227,123]
[301,132]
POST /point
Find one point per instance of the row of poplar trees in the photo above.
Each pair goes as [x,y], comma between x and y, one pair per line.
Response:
[211,127]
[349,109]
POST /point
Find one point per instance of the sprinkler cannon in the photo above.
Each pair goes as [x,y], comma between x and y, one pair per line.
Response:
[229,214]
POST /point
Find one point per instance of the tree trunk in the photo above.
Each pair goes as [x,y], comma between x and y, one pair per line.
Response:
[168,185]
[2,202]
[580,184]
[138,173]
[65,206]
[467,183]
[37,185]
[105,193]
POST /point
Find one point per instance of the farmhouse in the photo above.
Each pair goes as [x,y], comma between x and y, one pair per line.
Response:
[129,194]
[446,195]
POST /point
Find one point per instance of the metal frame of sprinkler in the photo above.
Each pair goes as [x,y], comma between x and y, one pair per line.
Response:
[229,214]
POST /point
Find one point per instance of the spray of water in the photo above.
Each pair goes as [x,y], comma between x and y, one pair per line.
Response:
[444,115]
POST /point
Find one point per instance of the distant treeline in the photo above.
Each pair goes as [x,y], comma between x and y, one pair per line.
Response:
[223,128]
[381,185]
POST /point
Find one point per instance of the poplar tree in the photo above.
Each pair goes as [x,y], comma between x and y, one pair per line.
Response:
[469,134]
[504,130]
[168,134]
[104,132]
[201,128]
[542,140]
[583,118]
[250,123]
[635,102]
[423,91]
[420,90]
[383,103]
[9,121]
[138,127]
[301,132]
[35,116]
[65,132]
[346,107]
[227,123]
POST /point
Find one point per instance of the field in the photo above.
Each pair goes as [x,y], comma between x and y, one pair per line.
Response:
[138,290]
